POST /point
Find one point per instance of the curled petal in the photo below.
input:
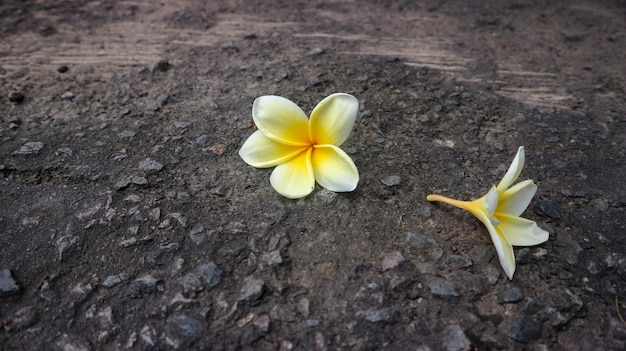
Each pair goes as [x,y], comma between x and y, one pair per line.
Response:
[513,172]
[261,152]
[506,256]
[333,118]
[521,231]
[281,120]
[294,179]
[516,199]
[334,169]
[491,204]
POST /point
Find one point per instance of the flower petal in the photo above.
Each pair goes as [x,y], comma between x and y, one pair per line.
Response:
[281,120]
[506,256]
[516,199]
[294,179]
[334,169]
[521,231]
[491,204]
[513,172]
[333,118]
[261,152]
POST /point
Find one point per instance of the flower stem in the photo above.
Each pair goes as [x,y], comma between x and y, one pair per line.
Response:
[465,205]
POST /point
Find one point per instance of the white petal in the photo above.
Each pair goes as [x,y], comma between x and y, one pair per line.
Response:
[506,255]
[521,231]
[515,200]
[261,152]
[334,169]
[333,118]
[294,179]
[513,172]
[491,204]
[281,120]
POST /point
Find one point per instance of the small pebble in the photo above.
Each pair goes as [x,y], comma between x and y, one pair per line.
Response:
[281,76]
[190,284]
[558,163]
[399,283]
[202,139]
[181,124]
[523,255]
[316,51]
[454,339]
[540,253]
[150,165]
[13,119]
[229,46]
[16,97]
[169,246]
[114,280]
[162,98]
[314,80]
[25,317]
[511,295]
[549,209]
[442,288]
[182,220]
[65,243]
[182,328]
[139,180]
[383,315]
[391,180]
[127,133]
[65,151]
[128,242]
[133,198]
[572,36]
[160,65]
[600,204]
[326,197]
[426,244]
[392,260]
[197,234]
[523,329]
[311,323]
[31,147]
[553,139]
[8,285]
[67,96]
[62,69]
[252,289]
[492,274]
[272,258]
[519,118]
[73,343]
[210,273]
[458,261]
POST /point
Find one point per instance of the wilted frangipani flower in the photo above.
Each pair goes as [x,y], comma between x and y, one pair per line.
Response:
[303,150]
[499,211]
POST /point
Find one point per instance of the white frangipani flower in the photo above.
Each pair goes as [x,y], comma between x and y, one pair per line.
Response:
[500,209]
[303,150]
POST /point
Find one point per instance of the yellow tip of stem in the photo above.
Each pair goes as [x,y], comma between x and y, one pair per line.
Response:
[468,206]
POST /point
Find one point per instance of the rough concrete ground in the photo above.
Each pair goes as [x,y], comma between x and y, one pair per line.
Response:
[128,221]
